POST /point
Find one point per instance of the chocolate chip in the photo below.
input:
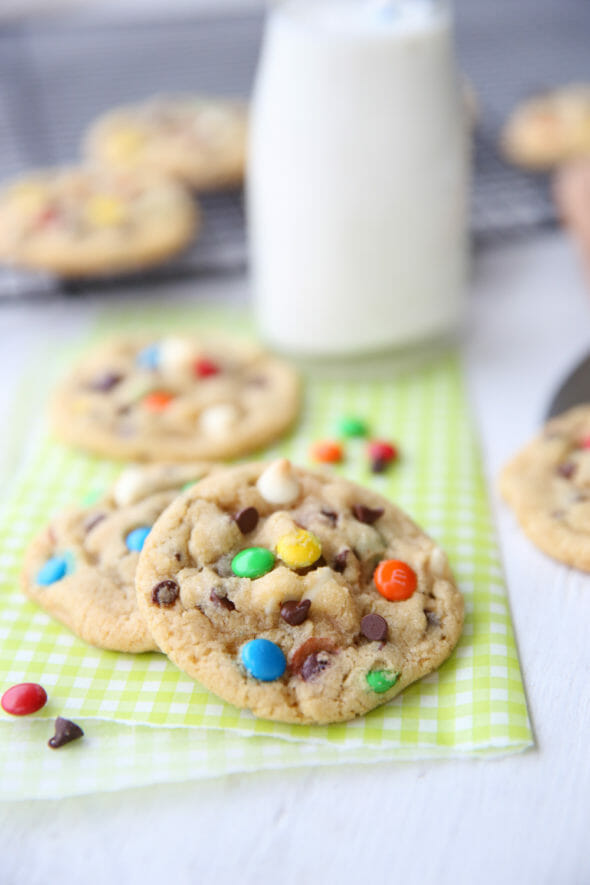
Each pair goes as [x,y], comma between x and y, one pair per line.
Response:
[340,560]
[65,732]
[247,519]
[257,381]
[178,557]
[368,515]
[106,382]
[314,664]
[93,521]
[374,627]
[221,601]
[379,465]
[432,618]
[567,469]
[295,613]
[312,657]
[165,593]
[305,570]
[330,515]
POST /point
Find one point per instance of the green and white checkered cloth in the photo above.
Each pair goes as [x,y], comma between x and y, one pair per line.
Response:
[144,720]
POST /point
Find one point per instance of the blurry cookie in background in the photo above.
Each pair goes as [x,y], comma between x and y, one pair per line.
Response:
[549,129]
[547,485]
[197,139]
[81,567]
[175,398]
[80,222]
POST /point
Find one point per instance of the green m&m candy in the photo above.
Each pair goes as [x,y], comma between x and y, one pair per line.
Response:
[381,681]
[253,562]
[350,425]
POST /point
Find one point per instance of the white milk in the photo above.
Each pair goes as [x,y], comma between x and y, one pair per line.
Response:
[358,177]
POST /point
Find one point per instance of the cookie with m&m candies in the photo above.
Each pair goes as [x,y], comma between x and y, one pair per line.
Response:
[298,595]
[81,567]
[181,396]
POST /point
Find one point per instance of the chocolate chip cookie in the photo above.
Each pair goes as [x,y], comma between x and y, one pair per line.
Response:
[300,596]
[81,568]
[547,484]
[175,398]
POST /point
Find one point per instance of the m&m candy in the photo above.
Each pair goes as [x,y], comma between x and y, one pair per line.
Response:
[263,659]
[136,538]
[326,452]
[381,681]
[23,699]
[253,562]
[299,549]
[395,580]
[54,570]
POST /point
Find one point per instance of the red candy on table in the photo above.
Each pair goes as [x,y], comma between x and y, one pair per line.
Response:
[395,580]
[23,699]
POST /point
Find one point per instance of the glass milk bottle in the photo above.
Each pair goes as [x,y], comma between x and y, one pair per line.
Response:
[357,186]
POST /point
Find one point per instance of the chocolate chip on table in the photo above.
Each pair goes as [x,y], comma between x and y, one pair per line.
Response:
[368,515]
[65,732]
[104,383]
[295,613]
[567,469]
[247,519]
[340,560]
[165,593]
[374,627]
[379,465]
[221,601]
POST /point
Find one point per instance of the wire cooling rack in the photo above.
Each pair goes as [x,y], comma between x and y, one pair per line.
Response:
[55,77]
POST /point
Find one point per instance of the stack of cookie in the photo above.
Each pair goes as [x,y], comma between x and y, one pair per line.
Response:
[297,595]
[130,204]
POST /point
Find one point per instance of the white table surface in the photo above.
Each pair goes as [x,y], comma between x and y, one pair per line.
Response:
[522,819]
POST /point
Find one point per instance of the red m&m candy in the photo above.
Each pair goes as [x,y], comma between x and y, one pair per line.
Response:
[204,368]
[23,699]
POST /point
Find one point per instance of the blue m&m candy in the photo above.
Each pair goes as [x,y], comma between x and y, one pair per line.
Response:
[136,538]
[263,659]
[149,357]
[54,570]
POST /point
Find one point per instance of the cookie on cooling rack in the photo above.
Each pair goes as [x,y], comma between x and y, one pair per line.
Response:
[200,140]
[81,222]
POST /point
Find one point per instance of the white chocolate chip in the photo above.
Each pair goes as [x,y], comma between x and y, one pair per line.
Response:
[129,487]
[217,420]
[176,354]
[278,483]
[438,563]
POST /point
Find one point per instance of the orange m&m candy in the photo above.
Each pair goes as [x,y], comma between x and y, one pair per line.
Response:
[158,400]
[395,580]
[326,451]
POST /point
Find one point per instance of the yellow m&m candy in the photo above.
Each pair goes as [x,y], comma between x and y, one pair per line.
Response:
[299,549]
[105,211]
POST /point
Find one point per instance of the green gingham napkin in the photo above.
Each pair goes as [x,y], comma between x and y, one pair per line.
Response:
[144,720]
